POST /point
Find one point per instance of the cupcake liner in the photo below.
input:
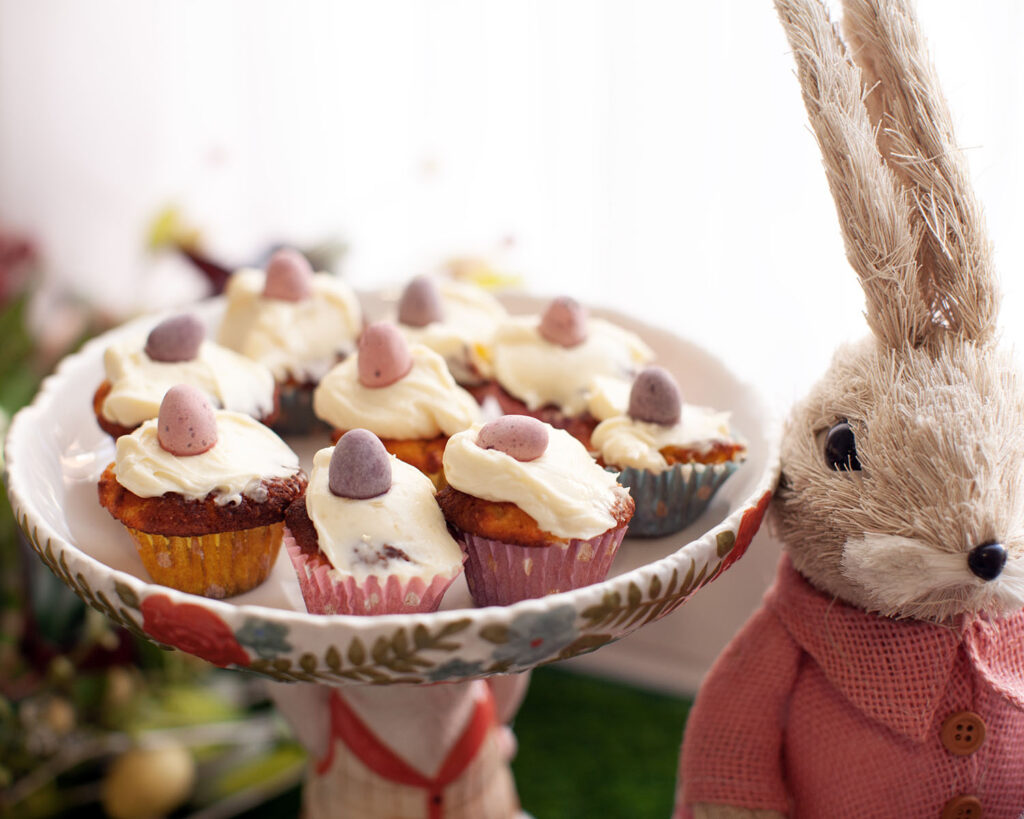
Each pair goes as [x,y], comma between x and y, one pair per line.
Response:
[669,501]
[326,590]
[217,565]
[500,573]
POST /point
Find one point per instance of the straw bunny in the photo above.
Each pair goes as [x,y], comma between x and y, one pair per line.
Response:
[883,675]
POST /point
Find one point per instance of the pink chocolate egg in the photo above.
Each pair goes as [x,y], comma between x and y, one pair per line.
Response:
[360,466]
[186,424]
[655,397]
[420,304]
[175,339]
[289,276]
[520,436]
[383,355]
[564,322]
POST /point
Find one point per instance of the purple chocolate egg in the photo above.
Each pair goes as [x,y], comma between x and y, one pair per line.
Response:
[420,304]
[520,436]
[186,424]
[175,339]
[383,355]
[655,397]
[564,322]
[360,466]
[289,276]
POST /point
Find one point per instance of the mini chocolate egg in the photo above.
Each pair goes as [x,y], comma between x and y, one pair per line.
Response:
[360,466]
[289,276]
[564,322]
[420,304]
[383,355]
[655,397]
[520,436]
[175,339]
[186,424]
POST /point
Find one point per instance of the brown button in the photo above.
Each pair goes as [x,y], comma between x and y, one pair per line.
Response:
[963,733]
[962,807]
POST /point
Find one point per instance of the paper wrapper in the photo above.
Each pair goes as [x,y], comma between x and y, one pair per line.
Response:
[500,573]
[329,591]
[669,501]
[217,565]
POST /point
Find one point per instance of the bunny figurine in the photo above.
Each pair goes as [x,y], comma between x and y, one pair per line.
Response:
[883,675]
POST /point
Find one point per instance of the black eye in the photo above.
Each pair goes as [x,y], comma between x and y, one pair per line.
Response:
[841,448]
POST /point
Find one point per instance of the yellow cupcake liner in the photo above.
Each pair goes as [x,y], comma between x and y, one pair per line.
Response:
[217,565]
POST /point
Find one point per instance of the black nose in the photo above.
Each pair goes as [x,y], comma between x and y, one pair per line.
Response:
[987,560]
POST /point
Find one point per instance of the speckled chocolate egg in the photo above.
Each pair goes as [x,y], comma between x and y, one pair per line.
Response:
[360,466]
[175,339]
[384,356]
[655,397]
[420,304]
[289,276]
[186,424]
[564,322]
[520,436]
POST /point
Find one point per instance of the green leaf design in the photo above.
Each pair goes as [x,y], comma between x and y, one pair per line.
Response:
[127,594]
[454,627]
[724,542]
[356,652]
[308,662]
[634,595]
[400,643]
[282,664]
[655,588]
[496,633]
[333,658]
[380,650]
[420,636]
[584,644]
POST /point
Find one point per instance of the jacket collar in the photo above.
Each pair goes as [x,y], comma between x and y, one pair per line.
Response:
[896,671]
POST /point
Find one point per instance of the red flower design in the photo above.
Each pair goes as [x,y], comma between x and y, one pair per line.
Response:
[749,525]
[191,628]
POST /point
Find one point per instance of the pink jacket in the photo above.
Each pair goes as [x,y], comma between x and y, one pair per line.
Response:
[819,709]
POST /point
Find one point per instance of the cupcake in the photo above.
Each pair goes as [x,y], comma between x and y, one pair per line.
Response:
[673,456]
[369,537]
[457,321]
[402,394]
[533,511]
[296,322]
[548,366]
[140,371]
[203,493]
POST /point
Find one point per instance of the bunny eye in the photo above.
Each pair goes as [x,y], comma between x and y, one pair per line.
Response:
[841,448]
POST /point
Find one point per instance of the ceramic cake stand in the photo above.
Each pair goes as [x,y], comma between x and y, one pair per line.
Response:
[384,739]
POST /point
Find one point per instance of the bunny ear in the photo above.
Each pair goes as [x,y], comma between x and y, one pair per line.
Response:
[875,215]
[915,136]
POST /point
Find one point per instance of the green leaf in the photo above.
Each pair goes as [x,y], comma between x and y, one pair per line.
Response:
[127,594]
[308,662]
[724,542]
[356,652]
[421,637]
[454,627]
[380,650]
[333,658]
[634,595]
[400,643]
[655,588]
[496,633]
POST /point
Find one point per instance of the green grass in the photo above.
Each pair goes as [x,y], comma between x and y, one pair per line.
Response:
[594,748]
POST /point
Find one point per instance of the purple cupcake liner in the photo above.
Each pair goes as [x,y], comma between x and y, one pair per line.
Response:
[669,501]
[500,573]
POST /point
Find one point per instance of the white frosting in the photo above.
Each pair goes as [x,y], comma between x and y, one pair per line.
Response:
[138,383]
[465,335]
[296,339]
[608,396]
[352,532]
[246,454]
[425,403]
[623,441]
[538,372]
[564,490]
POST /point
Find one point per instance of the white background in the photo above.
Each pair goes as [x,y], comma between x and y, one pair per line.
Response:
[649,155]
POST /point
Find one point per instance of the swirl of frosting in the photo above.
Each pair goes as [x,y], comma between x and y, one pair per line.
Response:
[295,339]
[622,441]
[246,454]
[425,403]
[465,334]
[352,533]
[539,373]
[564,490]
[138,383]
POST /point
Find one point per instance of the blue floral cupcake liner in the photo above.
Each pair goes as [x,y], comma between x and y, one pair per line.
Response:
[669,501]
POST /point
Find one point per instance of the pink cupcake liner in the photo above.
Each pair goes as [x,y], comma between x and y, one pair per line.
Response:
[500,573]
[326,590]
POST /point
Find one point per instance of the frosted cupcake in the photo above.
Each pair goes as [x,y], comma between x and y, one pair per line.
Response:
[403,394]
[140,371]
[533,511]
[457,321]
[369,537]
[547,366]
[296,322]
[203,494]
[673,456]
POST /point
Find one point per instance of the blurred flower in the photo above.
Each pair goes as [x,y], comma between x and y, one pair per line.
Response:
[536,636]
[17,260]
[146,783]
[268,639]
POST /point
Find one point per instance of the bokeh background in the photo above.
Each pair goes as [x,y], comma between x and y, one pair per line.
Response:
[649,155]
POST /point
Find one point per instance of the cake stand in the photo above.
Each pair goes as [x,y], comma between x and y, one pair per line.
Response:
[387,664]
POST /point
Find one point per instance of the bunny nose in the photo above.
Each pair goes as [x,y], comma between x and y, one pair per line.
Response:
[987,561]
